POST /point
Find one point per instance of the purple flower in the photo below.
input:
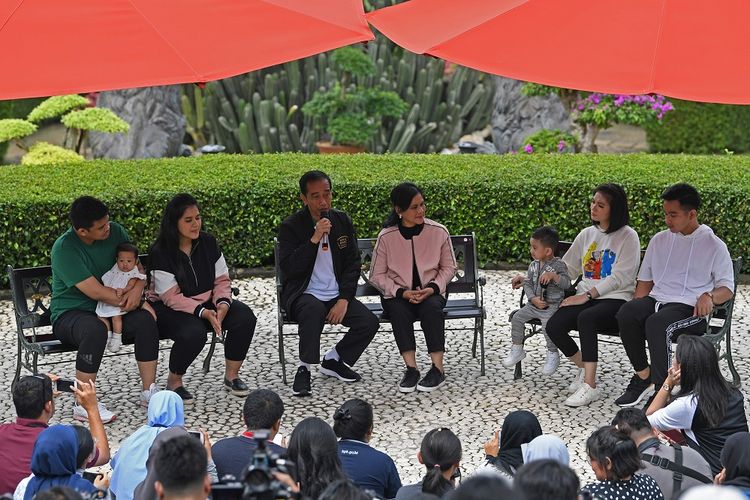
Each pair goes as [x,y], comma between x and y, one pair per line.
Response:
[528,148]
[561,146]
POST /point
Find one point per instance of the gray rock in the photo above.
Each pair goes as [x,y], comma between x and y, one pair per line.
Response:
[515,116]
[156,124]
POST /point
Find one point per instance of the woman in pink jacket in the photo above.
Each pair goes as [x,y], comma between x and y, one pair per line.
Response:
[412,264]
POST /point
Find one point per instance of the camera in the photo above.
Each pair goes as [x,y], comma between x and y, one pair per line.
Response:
[258,481]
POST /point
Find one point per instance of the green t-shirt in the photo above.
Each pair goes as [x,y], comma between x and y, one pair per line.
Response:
[74,261]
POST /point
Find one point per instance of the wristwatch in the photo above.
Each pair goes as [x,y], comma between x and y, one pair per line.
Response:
[588,294]
[710,294]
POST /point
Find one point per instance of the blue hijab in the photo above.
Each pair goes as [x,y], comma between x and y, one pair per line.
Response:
[165,409]
[53,462]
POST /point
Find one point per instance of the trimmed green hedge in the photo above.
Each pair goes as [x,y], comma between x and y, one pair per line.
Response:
[244,198]
[701,128]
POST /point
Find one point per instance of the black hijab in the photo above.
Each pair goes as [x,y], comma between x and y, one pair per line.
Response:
[519,427]
[735,457]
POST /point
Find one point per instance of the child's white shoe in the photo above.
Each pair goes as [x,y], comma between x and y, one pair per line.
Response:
[551,363]
[115,342]
[515,355]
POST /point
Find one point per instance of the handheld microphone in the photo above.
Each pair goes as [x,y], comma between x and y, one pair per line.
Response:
[324,215]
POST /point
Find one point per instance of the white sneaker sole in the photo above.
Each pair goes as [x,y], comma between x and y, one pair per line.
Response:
[86,419]
[648,390]
[407,389]
[422,388]
[331,373]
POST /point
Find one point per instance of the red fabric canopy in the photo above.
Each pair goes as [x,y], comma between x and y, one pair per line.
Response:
[55,47]
[690,49]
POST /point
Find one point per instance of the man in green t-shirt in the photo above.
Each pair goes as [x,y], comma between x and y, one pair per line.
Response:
[80,257]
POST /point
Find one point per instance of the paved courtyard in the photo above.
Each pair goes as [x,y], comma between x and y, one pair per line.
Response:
[470,405]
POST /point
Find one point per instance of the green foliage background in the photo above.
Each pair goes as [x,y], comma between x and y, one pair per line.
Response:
[244,198]
[700,128]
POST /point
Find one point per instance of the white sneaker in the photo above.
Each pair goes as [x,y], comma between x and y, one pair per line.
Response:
[515,355]
[79,413]
[584,395]
[146,395]
[576,383]
[115,342]
[551,363]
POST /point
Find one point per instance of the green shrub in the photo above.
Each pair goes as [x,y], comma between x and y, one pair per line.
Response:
[244,198]
[700,128]
[550,141]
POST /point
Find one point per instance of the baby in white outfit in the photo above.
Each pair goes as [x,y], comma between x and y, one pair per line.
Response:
[119,278]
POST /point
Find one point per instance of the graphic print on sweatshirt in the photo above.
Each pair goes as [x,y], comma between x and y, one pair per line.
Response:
[597,264]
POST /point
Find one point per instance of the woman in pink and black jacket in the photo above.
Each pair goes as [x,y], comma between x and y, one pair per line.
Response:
[412,264]
[191,280]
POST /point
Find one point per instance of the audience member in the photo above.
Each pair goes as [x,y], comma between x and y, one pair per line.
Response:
[55,462]
[546,479]
[707,409]
[262,411]
[344,489]
[545,447]
[35,405]
[165,410]
[440,453]
[412,264]
[191,279]
[180,470]
[80,257]
[320,261]
[314,450]
[503,451]
[685,272]
[615,460]
[482,488]
[735,460]
[367,467]
[606,256]
[673,467]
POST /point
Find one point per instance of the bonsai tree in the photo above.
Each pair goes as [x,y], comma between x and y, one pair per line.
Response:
[349,113]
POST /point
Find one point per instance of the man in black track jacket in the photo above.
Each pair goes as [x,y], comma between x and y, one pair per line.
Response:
[320,263]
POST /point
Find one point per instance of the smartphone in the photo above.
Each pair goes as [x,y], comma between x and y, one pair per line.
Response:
[90,476]
[278,439]
[63,385]
[197,435]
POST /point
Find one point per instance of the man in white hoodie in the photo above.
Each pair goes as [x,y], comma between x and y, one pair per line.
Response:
[687,269]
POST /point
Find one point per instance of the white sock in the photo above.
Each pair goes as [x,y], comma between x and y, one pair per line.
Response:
[332,354]
[302,363]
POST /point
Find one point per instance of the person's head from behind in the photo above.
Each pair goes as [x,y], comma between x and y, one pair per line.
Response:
[90,218]
[180,469]
[543,243]
[612,454]
[85,446]
[181,222]
[545,447]
[609,207]
[166,409]
[482,487]
[519,427]
[343,489]
[698,364]
[58,493]
[353,420]
[127,256]
[634,423]
[314,449]
[263,410]
[32,397]
[408,206]
[681,204]
[440,453]
[734,459]
[315,191]
[56,452]
[546,480]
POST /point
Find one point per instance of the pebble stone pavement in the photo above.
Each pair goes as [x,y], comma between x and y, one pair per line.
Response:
[470,405]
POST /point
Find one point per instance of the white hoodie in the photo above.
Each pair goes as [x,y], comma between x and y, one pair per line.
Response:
[683,267]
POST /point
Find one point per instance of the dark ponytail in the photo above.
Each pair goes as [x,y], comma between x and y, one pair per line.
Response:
[401,197]
[440,450]
[609,443]
[85,445]
[353,420]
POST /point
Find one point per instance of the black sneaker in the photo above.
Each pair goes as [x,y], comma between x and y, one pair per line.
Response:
[635,392]
[409,380]
[434,379]
[236,387]
[301,385]
[187,398]
[337,368]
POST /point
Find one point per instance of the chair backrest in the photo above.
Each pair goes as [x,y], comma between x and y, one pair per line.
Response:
[31,289]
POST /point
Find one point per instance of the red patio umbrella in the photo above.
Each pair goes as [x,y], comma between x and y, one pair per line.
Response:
[54,47]
[690,49]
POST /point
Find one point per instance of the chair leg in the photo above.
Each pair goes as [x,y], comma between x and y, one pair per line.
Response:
[282,357]
[35,359]
[736,381]
[18,368]
[480,321]
[474,342]
[518,372]
[207,361]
